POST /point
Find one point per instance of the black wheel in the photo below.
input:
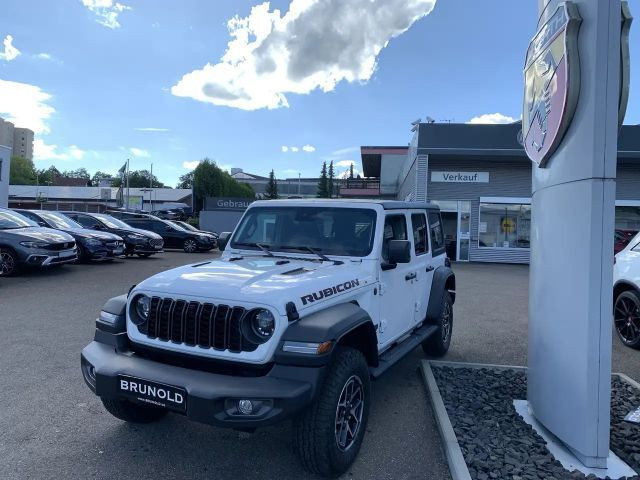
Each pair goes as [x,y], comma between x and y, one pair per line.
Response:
[143,255]
[330,432]
[190,245]
[83,256]
[8,262]
[626,318]
[132,412]
[438,343]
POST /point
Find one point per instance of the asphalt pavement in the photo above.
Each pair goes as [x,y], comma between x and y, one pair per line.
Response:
[52,426]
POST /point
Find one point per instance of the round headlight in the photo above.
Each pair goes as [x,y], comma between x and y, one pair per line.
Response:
[263,324]
[143,305]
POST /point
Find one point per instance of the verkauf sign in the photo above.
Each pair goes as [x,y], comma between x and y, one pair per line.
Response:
[460,177]
[227,203]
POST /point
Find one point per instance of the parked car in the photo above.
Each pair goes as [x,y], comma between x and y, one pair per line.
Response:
[191,228]
[173,235]
[622,239]
[23,243]
[172,214]
[626,293]
[142,243]
[92,244]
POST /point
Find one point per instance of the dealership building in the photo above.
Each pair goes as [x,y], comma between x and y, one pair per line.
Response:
[481,178]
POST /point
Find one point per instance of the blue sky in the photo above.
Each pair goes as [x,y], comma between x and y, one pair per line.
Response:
[328,75]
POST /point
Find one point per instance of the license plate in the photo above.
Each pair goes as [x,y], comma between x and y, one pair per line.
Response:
[118,251]
[68,253]
[153,393]
[158,247]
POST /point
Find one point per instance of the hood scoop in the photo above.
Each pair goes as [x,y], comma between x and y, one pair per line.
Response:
[297,271]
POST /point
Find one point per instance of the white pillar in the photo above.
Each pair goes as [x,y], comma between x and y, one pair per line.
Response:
[570,292]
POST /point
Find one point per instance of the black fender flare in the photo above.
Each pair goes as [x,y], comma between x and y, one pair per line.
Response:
[116,309]
[346,323]
[443,280]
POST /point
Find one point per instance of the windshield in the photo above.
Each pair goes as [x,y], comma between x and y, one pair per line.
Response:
[9,220]
[111,222]
[173,225]
[58,220]
[331,231]
[186,226]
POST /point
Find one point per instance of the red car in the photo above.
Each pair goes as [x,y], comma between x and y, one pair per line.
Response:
[622,238]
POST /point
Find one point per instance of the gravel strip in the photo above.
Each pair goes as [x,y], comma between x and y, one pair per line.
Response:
[498,444]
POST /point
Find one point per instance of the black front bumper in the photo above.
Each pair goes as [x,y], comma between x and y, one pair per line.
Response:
[211,397]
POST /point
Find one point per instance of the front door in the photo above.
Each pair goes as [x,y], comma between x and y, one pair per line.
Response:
[397,305]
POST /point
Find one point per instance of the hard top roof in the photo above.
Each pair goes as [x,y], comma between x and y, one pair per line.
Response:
[386,204]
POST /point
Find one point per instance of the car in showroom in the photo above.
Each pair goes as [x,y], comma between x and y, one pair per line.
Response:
[23,243]
[91,244]
[173,235]
[142,243]
[191,228]
[310,301]
[626,293]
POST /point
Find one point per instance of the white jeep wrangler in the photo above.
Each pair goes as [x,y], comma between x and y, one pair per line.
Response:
[309,301]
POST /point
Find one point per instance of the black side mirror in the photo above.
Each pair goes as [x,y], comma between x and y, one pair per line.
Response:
[223,239]
[168,228]
[399,251]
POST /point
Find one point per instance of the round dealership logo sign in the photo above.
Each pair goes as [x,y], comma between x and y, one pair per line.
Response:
[552,82]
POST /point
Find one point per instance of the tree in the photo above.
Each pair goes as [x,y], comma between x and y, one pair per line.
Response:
[95,180]
[271,191]
[48,176]
[186,180]
[323,182]
[22,171]
[77,173]
[351,171]
[330,180]
[140,179]
[209,180]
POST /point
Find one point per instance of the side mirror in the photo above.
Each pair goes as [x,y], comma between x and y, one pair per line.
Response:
[399,251]
[223,238]
[168,228]
[42,224]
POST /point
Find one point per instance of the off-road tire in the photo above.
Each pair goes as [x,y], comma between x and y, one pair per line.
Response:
[132,412]
[9,264]
[315,429]
[438,343]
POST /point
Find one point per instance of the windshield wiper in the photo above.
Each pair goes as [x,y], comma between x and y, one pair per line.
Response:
[261,246]
[315,251]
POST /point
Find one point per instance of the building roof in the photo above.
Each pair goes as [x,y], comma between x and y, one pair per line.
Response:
[95,193]
[372,158]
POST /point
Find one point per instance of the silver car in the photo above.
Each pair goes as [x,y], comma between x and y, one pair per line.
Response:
[25,244]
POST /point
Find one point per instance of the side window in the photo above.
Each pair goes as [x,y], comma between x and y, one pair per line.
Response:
[435,230]
[419,225]
[395,228]
[86,221]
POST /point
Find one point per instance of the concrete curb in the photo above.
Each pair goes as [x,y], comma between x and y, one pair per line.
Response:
[455,459]
[445,363]
[628,379]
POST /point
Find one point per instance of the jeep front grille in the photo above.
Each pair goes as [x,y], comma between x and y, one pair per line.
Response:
[204,325]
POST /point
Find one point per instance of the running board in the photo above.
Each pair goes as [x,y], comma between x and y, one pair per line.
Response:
[395,354]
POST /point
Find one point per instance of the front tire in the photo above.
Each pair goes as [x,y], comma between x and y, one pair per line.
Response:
[438,344]
[132,412]
[190,246]
[626,318]
[8,263]
[330,432]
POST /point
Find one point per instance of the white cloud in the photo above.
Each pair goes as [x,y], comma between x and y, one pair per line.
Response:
[492,118]
[25,105]
[309,148]
[190,165]
[10,52]
[43,151]
[151,129]
[294,149]
[44,56]
[106,11]
[343,151]
[314,45]
[285,148]
[343,163]
[139,152]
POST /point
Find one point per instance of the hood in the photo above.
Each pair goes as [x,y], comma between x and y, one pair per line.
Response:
[87,233]
[39,233]
[273,281]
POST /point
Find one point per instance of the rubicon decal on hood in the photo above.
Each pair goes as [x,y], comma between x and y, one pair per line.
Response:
[327,292]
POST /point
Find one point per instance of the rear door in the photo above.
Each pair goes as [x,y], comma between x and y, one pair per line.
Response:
[436,235]
[423,267]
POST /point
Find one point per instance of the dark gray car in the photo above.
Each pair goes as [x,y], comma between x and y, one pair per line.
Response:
[25,244]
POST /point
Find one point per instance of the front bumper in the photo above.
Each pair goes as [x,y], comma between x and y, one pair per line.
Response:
[211,397]
[47,258]
[103,252]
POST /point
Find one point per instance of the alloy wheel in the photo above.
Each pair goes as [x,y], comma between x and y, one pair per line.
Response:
[190,246]
[349,413]
[7,264]
[446,322]
[627,319]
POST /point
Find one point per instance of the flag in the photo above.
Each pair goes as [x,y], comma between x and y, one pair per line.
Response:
[123,169]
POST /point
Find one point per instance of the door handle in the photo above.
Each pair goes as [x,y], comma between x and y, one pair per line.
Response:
[429,268]
[410,276]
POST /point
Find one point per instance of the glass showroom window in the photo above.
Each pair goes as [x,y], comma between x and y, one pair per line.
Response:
[504,225]
[628,218]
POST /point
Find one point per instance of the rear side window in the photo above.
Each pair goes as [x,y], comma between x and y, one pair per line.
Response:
[86,221]
[419,225]
[437,235]
[395,228]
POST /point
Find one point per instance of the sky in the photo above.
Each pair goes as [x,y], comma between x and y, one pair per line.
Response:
[281,85]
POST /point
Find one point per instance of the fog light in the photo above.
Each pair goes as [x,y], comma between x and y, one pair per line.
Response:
[245,407]
[91,372]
